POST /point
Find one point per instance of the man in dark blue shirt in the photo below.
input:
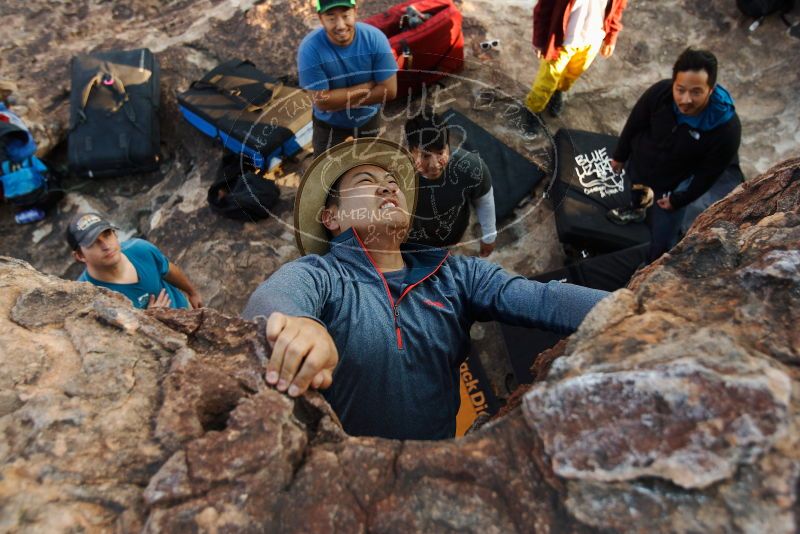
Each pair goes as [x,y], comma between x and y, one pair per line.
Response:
[384,327]
[135,268]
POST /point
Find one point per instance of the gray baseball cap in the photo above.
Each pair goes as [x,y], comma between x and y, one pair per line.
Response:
[84,229]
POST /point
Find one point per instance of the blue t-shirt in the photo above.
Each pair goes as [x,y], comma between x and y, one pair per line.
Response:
[151,266]
[324,65]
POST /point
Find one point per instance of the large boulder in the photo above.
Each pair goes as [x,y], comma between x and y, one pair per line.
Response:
[673,408]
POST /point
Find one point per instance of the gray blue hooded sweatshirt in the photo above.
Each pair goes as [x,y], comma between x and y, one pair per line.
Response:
[399,354]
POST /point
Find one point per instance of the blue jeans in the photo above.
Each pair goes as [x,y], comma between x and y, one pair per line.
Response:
[664,228]
[667,226]
[727,182]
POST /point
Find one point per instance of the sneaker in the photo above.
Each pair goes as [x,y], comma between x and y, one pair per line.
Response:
[556,104]
[626,215]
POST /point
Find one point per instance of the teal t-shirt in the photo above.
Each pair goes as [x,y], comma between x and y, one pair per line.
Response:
[151,266]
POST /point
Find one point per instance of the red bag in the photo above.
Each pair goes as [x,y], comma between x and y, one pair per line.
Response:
[427,52]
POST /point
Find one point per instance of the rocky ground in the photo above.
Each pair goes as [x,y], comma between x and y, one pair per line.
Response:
[228,259]
[674,408]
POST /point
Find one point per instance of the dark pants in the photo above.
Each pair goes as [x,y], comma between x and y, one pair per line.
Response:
[664,228]
[726,183]
[326,136]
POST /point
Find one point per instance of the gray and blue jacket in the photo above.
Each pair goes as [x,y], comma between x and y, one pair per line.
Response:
[397,375]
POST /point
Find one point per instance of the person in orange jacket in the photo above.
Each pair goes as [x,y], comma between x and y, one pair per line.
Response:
[567,36]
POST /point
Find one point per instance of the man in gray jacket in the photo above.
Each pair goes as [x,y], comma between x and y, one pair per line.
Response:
[382,327]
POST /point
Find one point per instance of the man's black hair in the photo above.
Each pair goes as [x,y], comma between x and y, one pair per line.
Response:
[426,130]
[691,59]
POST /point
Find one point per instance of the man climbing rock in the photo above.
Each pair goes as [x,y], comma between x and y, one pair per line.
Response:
[382,326]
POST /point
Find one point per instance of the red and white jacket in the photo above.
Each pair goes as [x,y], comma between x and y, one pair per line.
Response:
[551,18]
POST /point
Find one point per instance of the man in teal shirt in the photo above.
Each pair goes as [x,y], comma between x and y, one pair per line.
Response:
[135,268]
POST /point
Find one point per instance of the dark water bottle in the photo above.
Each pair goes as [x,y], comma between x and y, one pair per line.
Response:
[29,216]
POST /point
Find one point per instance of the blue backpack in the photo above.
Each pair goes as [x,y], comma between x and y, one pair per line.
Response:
[24,183]
[16,140]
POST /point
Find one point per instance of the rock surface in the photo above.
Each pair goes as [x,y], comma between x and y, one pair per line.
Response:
[673,408]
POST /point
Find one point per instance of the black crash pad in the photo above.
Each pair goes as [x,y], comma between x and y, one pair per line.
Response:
[608,272]
[584,188]
[513,176]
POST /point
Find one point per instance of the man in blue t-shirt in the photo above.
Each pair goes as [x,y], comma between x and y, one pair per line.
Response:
[350,71]
[135,268]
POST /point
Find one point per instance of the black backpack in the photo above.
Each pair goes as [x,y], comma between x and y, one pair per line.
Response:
[114,113]
[251,112]
[240,193]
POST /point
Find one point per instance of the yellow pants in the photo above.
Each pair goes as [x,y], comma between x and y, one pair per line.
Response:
[559,74]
